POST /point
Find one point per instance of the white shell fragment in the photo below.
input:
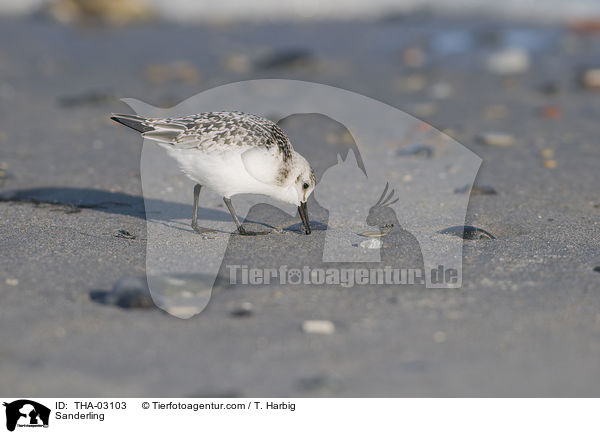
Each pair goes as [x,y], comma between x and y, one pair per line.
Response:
[318,327]
[496,139]
[508,61]
[373,243]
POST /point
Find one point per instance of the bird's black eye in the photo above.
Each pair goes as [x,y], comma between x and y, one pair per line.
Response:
[305,186]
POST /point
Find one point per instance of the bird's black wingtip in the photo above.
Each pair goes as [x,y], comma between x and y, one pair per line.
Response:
[117,116]
[132,121]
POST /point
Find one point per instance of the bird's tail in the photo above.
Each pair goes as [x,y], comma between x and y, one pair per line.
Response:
[137,123]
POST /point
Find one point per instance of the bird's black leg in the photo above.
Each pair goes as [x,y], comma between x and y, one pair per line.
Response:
[241,229]
[195,226]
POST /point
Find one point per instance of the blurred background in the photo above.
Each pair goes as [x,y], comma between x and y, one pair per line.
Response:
[515,81]
[266,10]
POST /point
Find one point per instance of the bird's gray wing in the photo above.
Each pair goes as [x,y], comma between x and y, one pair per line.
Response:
[218,130]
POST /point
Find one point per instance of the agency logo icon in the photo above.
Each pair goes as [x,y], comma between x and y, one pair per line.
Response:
[25,413]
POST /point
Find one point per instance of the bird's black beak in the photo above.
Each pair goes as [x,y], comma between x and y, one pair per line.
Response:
[304,216]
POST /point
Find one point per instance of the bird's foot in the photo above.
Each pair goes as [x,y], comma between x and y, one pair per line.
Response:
[202,231]
[243,231]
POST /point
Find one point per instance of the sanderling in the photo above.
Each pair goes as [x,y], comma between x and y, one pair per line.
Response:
[232,153]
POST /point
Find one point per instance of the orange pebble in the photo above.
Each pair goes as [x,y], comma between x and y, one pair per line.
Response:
[551,112]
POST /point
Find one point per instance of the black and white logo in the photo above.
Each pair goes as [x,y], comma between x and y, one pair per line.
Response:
[25,413]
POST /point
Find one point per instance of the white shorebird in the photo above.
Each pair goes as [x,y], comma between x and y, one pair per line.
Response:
[232,153]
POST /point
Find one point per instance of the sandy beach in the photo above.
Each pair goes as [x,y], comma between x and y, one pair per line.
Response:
[521,95]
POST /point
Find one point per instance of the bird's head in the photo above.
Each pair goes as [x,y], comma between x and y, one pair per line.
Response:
[303,184]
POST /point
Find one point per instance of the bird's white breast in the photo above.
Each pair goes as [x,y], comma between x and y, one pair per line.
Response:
[222,172]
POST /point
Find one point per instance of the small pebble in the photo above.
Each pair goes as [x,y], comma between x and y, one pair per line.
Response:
[468,232]
[547,153]
[332,139]
[238,63]
[122,233]
[590,78]
[411,83]
[12,282]
[441,90]
[551,112]
[127,293]
[496,112]
[416,150]
[70,209]
[243,310]
[292,58]
[449,131]
[496,139]
[483,190]
[373,243]
[585,26]
[90,97]
[319,383]
[344,137]
[476,189]
[174,71]
[508,61]
[318,327]
[413,57]
[424,109]
[550,164]
[111,12]
[549,88]
[372,234]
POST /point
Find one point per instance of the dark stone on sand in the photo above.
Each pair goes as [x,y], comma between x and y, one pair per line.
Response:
[90,97]
[477,189]
[468,233]
[122,233]
[292,58]
[243,310]
[127,293]
[320,383]
[549,88]
[416,150]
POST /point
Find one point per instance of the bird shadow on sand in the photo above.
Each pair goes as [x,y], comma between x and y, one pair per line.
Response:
[73,200]
[107,202]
